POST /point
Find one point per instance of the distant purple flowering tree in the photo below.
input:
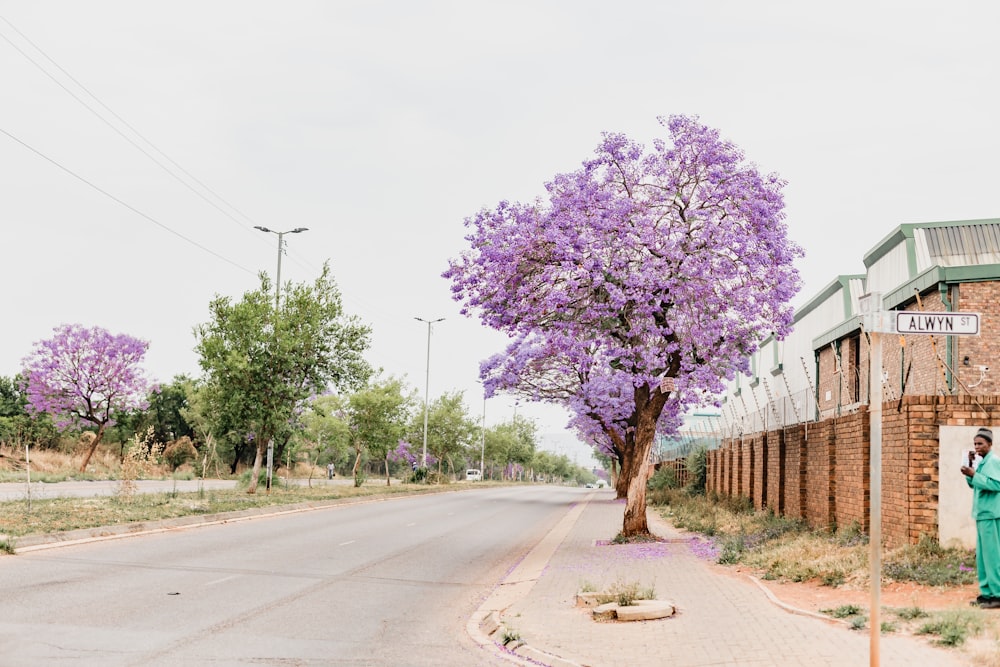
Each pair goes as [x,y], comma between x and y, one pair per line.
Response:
[404,453]
[86,375]
[644,277]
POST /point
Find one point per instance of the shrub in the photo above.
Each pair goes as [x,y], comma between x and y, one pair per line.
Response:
[139,460]
[244,480]
[179,452]
[664,478]
[697,466]
[7,545]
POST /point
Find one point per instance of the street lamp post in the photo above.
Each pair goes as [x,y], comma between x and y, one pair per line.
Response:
[427,384]
[277,292]
[482,442]
[277,276]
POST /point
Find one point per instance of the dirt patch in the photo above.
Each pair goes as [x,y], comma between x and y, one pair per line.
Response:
[813,596]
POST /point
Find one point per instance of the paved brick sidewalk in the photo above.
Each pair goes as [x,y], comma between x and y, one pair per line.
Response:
[720,621]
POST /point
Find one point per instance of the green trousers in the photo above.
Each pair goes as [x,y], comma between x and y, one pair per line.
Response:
[988,556]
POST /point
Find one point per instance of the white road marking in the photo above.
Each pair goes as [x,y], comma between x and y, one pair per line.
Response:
[344,544]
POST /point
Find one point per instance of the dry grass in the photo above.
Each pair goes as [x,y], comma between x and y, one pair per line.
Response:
[53,465]
[803,557]
[63,514]
[787,550]
[43,516]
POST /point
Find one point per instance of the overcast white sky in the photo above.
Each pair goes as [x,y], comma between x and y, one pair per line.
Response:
[381,125]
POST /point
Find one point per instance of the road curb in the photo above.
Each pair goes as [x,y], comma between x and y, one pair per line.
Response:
[486,623]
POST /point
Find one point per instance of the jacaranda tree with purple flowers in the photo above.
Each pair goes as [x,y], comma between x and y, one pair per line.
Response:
[646,276]
[86,375]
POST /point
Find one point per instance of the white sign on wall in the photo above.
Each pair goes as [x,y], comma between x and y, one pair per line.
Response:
[942,324]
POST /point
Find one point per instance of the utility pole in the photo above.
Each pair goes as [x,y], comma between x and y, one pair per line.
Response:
[427,384]
[277,293]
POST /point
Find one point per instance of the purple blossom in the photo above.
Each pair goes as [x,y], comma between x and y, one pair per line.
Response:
[85,375]
[404,453]
[636,287]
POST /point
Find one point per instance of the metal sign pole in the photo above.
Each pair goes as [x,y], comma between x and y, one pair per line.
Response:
[875,465]
[874,321]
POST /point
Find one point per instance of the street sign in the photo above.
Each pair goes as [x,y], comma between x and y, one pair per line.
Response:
[942,324]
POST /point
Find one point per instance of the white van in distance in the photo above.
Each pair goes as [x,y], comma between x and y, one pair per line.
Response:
[473,475]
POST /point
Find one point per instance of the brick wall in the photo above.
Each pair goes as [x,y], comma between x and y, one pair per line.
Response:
[774,444]
[759,465]
[896,462]
[746,468]
[984,349]
[820,482]
[794,503]
[820,471]
[851,470]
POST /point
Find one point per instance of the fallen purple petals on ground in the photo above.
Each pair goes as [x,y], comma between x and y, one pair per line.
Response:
[704,549]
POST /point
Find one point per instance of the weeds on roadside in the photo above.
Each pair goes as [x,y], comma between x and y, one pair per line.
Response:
[7,545]
[139,459]
[787,549]
[927,562]
[509,636]
[625,593]
[953,627]
[911,613]
[843,611]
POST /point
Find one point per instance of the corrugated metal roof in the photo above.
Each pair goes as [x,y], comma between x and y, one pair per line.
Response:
[962,245]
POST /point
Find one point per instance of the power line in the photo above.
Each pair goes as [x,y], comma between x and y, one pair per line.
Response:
[384,316]
[125,204]
[125,123]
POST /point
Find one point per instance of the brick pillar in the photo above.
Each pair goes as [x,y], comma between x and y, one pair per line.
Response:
[820,468]
[776,471]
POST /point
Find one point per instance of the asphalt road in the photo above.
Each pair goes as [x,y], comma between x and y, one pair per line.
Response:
[388,582]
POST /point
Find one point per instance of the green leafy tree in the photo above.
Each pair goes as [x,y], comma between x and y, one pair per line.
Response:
[16,424]
[165,411]
[221,440]
[451,430]
[263,362]
[327,431]
[512,445]
[499,440]
[379,414]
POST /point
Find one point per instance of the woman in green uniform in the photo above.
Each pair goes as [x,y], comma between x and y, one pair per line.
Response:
[985,483]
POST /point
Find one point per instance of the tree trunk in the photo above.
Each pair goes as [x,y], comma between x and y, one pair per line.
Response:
[257,460]
[93,447]
[624,475]
[648,406]
[387,482]
[357,462]
[634,522]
